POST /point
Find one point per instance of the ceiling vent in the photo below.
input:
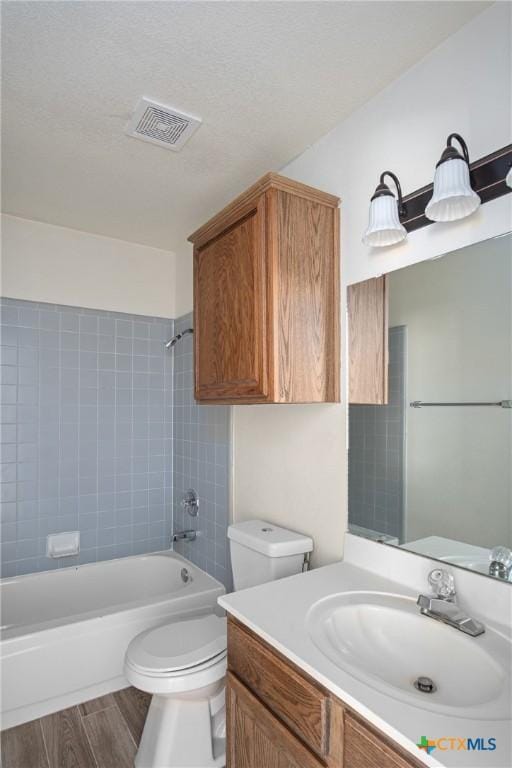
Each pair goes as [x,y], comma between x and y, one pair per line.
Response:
[161,125]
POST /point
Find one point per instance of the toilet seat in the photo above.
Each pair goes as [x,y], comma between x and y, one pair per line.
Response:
[186,657]
[196,682]
[176,673]
[179,648]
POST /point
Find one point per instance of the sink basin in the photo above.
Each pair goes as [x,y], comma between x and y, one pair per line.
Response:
[384,641]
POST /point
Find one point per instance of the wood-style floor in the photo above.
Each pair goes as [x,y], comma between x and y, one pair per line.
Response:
[102,733]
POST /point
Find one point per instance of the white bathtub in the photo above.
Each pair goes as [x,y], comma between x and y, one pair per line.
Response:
[64,633]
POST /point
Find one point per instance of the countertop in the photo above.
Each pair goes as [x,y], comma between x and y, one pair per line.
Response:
[276,611]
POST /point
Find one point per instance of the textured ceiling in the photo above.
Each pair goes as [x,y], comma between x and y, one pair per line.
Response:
[268,79]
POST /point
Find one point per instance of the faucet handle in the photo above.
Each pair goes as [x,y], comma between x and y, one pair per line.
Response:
[501,563]
[442,583]
[501,555]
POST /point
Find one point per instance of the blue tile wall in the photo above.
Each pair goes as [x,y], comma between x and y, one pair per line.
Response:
[376,454]
[86,433]
[201,460]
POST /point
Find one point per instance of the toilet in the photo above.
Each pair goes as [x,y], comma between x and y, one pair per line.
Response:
[183,663]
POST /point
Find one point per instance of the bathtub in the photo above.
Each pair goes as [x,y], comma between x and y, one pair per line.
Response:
[64,633]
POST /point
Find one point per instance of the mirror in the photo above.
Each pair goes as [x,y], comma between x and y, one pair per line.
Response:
[430,471]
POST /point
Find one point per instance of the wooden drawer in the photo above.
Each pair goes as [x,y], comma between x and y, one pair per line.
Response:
[365,748]
[300,704]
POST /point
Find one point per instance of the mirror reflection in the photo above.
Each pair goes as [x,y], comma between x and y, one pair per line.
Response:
[431,470]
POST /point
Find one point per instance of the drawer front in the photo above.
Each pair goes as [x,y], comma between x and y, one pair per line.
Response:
[365,749]
[300,704]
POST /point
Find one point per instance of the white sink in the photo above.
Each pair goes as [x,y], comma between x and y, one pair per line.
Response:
[384,641]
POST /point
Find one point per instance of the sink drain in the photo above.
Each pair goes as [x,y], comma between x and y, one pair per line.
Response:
[425,685]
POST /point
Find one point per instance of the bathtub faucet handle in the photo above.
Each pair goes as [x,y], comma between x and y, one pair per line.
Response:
[190,502]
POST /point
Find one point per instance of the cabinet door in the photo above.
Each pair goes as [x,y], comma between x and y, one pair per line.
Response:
[365,748]
[297,701]
[368,341]
[257,739]
[231,311]
[307,300]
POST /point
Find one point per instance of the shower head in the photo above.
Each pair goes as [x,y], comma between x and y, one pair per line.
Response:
[175,339]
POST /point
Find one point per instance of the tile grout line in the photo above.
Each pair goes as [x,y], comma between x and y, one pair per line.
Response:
[93,753]
[84,729]
[115,705]
[88,714]
[125,722]
[44,743]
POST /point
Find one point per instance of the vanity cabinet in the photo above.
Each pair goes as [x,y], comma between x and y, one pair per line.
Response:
[278,717]
[365,748]
[257,738]
[367,309]
[266,297]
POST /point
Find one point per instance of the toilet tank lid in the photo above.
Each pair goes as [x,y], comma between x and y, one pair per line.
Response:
[269,539]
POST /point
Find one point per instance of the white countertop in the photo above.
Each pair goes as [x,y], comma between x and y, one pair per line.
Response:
[276,611]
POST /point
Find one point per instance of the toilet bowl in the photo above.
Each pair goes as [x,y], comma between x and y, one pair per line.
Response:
[183,666]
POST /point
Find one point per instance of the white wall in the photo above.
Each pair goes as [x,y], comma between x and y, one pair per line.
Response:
[43,262]
[459,342]
[290,461]
[184,281]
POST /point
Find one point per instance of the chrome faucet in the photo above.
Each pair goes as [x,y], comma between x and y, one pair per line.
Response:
[501,563]
[442,606]
[184,536]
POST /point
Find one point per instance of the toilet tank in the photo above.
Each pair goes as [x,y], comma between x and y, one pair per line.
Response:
[262,552]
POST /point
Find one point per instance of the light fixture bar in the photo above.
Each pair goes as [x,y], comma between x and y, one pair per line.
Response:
[487,178]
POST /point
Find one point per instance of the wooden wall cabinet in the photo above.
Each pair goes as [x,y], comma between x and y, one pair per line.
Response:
[266,297]
[278,717]
[367,306]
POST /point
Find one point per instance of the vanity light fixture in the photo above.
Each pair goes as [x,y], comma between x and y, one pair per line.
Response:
[384,226]
[453,197]
[508,178]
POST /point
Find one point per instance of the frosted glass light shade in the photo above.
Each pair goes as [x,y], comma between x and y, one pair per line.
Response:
[508,178]
[384,227]
[453,197]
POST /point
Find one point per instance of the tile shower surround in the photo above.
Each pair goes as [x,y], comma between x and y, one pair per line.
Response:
[86,433]
[87,443]
[201,459]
